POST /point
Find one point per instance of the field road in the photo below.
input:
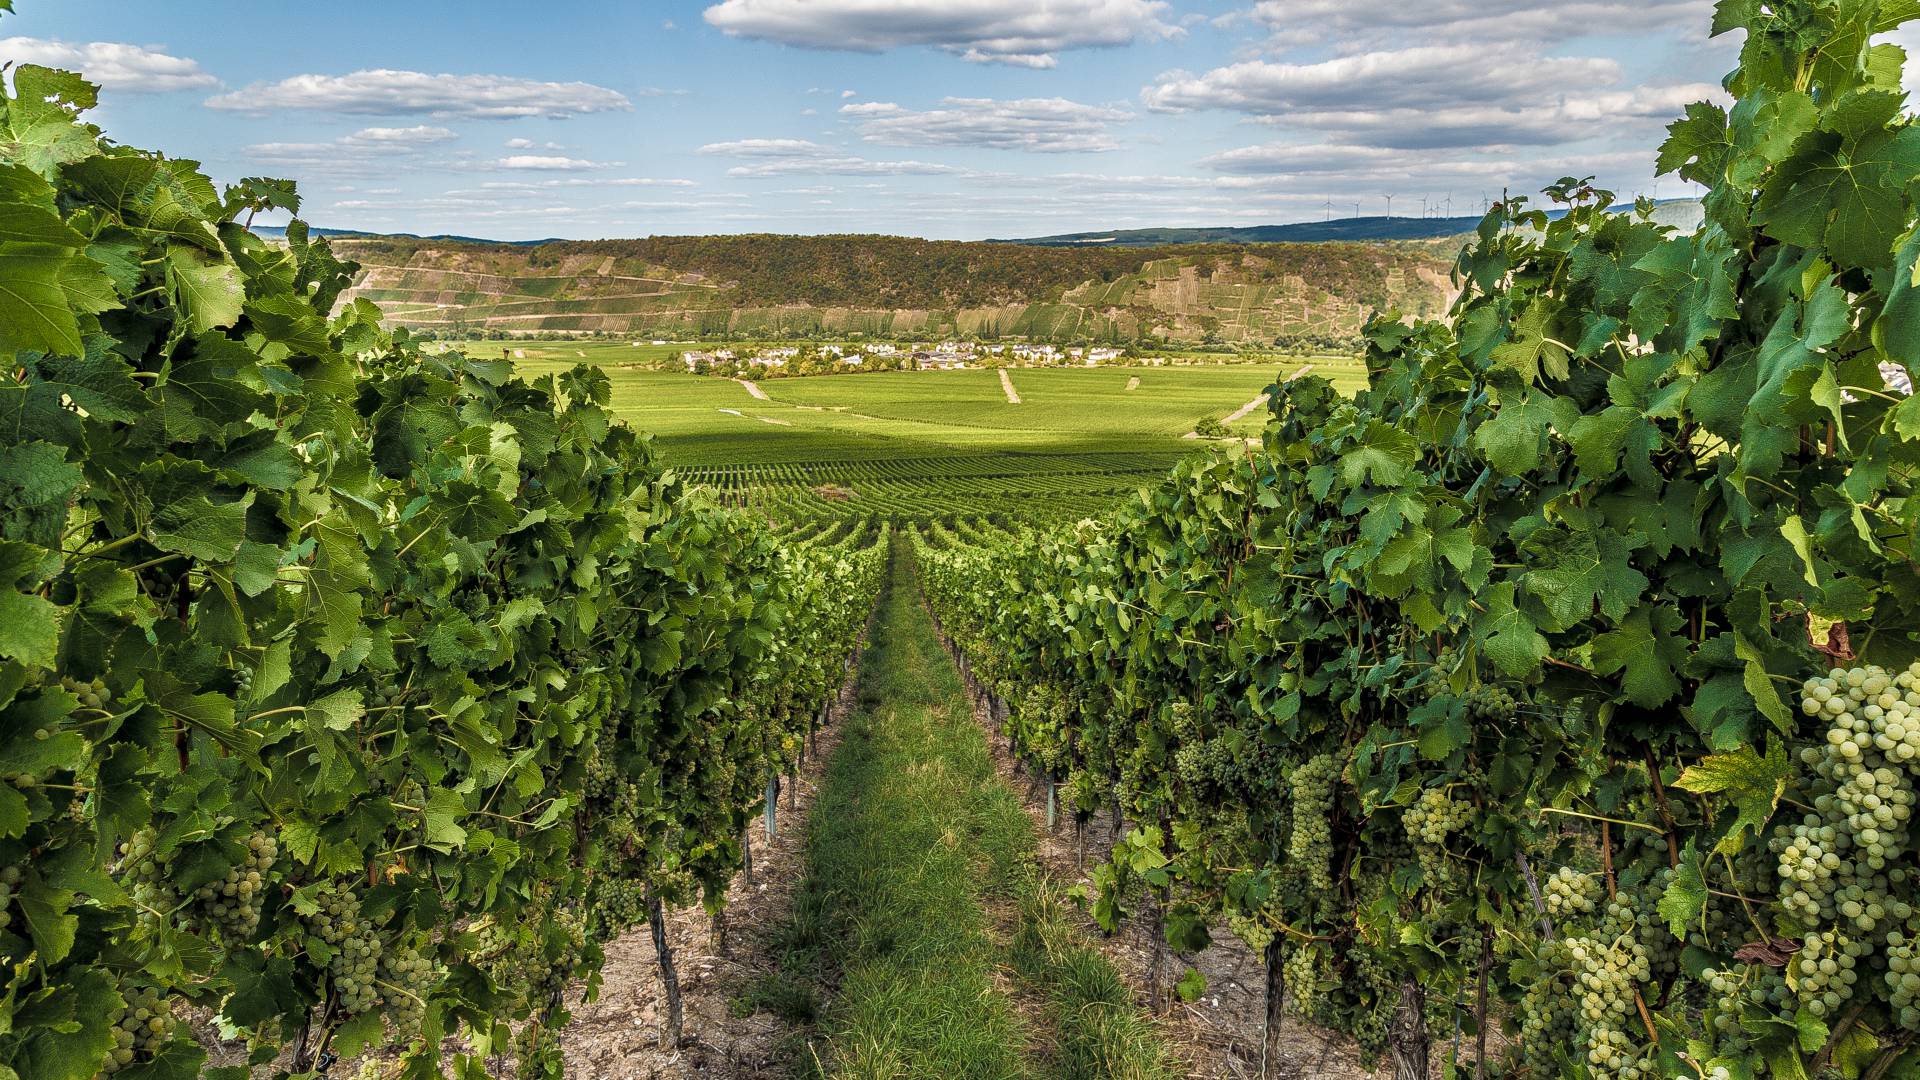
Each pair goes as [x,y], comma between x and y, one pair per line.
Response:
[1006,383]
[754,389]
[1243,410]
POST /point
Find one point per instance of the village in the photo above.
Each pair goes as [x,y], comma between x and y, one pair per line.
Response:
[773,361]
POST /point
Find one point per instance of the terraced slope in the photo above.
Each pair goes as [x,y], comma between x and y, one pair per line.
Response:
[892,287]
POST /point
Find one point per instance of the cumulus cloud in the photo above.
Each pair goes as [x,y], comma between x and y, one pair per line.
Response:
[1426,96]
[551,163]
[386,92]
[113,65]
[1028,33]
[1045,125]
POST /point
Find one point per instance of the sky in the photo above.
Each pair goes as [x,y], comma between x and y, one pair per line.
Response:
[962,119]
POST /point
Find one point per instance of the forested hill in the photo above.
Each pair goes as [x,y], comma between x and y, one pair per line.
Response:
[766,285]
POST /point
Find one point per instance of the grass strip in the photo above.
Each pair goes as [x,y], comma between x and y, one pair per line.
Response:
[888,965]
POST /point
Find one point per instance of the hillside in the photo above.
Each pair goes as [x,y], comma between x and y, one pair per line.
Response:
[796,286]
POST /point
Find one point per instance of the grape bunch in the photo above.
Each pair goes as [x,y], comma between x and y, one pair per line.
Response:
[1546,1008]
[243,683]
[233,904]
[1827,965]
[1570,894]
[10,877]
[1300,973]
[1250,928]
[1903,976]
[356,949]
[1432,818]
[145,874]
[618,903]
[141,1027]
[1310,838]
[408,975]
[93,695]
[1491,703]
[1608,970]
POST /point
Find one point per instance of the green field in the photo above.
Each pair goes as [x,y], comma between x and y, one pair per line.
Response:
[933,444]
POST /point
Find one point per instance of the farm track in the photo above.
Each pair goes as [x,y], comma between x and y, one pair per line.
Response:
[1006,383]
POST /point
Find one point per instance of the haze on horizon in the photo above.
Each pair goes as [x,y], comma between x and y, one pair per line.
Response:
[940,118]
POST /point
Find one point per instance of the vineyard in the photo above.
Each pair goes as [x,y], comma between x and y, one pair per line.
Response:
[1540,700]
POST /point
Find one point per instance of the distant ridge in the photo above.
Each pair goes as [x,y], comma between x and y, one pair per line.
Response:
[1362,228]
[1681,213]
[275,232]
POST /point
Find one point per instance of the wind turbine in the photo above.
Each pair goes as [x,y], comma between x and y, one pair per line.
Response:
[1449,205]
[1389,205]
[1423,206]
[1356,211]
[1329,208]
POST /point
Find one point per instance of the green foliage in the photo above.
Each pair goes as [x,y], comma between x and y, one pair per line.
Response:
[334,675]
[1539,591]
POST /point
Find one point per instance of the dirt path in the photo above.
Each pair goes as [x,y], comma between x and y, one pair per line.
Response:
[1241,412]
[754,389]
[1006,383]
[620,1036]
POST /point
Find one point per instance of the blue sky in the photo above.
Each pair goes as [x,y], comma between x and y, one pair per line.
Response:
[941,118]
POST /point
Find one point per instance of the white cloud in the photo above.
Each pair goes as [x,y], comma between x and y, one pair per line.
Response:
[385,92]
[1373,22]
[588,182]
[786,157]
[529,144]
[1046,125]
[419,135]
[551,163]
[1021,32]
[782,148]
[1485,94]
[112,65]
[354,152]
[845,94]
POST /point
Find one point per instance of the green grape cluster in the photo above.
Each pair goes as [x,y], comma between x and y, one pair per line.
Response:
[407,974]
[1250,929]
[1570,894]
[1432,818]
[233,903]
[1608,970]
[355,948]
[387,695]
[1300,971]
[243,684]
[10,878]
[1828,965]
[1310,837]
[1491,703]
[1903,976]
[1547,1007]
[141,1027]
[618,903]
[145,875]
[92,695]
